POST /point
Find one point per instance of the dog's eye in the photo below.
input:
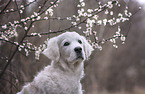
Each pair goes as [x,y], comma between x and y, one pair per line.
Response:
[80,41]
[66,43]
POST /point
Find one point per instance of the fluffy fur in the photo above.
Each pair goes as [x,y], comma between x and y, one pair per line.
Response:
[67,52]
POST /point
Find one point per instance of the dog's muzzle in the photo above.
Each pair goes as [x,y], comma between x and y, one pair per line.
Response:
[78,51]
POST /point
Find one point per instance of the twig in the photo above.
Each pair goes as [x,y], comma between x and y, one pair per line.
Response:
[42,6]
[5,6]
[16,44]
[120,35]
[20,7]
[48,7]
[10,83]
[15,51]
[72,26]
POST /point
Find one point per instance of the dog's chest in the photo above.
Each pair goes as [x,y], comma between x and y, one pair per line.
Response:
[69,84]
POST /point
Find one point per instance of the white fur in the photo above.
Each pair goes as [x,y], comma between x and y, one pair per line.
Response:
[66,70]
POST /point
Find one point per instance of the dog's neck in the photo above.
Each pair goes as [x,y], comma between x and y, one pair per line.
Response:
[77,69]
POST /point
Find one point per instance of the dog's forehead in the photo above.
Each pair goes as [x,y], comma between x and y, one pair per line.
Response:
[69,35]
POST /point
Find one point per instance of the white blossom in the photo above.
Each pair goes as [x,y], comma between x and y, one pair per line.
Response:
[46,18]
[119,29]
[25,23]
[77,19]
[4,26]
[31,0]
[68,18]
[16,43]
[25,28]
[99,47]
[40,49]
[50,11]
[120,15]
[104,21]
[106,11]
[96,38]
[35,14]
[19,48]
[27,52]
[32,16]
[90,22]
[118,20]
[33,19]
[38,18]
[115,46]
[7,10]
[99,22]
[89,29]
[95,17]
[22,20]
[99,3]
[99,10]
[22,6]
[85,14]
[79,27]
[109,2]
[21,11]
[15,22]
[78,5]
[87,25]
[81,0]
[33,26]
[89,15]
[12,9]
[95,33]
[122,38]
[82,4]
[33,34]
[110,21]
[113,40]
[74,23]
[111,12]
[82,10]
[123,42]
[39,35]
[28,18]
[129,14]
[37,55]
[90,10]
[15,34]
[119,5]
[39,7]
[110,5]
[74,16]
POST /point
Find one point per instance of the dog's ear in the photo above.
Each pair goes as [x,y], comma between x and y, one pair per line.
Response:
[52,50]
[87,48]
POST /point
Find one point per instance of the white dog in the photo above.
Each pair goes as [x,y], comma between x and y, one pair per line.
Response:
[67,52]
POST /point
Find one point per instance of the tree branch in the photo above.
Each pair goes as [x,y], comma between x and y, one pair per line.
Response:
[10,11]
[5,6]
[15,51]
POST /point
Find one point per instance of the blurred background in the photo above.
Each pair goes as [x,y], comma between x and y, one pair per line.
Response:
[110,71]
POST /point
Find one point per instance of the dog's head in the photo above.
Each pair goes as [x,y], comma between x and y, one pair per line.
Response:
[69,47]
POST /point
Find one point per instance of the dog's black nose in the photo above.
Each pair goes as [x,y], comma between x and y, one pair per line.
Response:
[78,49]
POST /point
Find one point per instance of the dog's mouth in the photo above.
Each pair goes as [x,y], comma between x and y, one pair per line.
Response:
[79,57]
